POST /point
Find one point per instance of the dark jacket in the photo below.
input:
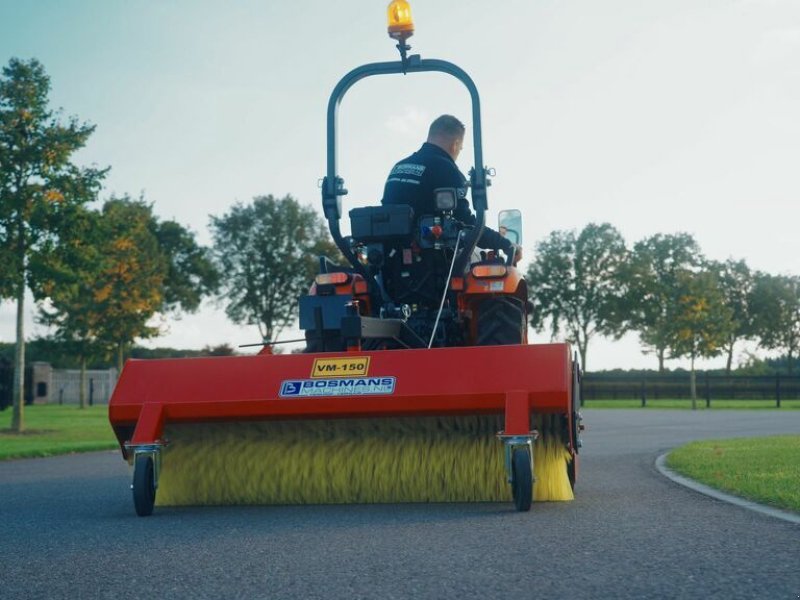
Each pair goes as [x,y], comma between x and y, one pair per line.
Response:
[413,179]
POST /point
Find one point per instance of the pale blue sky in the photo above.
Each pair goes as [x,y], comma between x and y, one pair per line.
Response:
[657,115]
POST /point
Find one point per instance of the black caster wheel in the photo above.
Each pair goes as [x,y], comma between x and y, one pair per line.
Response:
[144,485]
[522,479]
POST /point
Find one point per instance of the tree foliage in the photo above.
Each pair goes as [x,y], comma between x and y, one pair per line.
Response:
[68,278]
[700,321]
[776,310]
[191,274]
[39,185]
[119,268]
[573,283]
[736,283]
[649,281]
[267,254]
[130,287]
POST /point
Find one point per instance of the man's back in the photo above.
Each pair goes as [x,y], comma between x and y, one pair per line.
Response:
[413,180]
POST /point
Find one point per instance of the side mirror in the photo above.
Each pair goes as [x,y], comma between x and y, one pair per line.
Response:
[509,224]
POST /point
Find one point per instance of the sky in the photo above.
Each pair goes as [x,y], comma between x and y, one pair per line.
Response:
[656,116]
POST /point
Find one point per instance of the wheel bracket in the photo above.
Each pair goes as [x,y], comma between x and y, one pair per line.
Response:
[152,450]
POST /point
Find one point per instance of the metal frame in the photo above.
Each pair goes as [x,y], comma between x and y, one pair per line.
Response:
[152,450]
[333,185]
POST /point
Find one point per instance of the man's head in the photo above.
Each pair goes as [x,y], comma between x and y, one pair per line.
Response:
[447,132]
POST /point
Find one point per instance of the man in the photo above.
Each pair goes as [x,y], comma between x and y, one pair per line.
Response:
[413,179]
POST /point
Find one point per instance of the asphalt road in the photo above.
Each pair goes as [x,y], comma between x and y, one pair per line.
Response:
[68,530]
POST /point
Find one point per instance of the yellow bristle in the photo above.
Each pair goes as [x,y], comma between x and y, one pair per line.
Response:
[424,459]
[550,467]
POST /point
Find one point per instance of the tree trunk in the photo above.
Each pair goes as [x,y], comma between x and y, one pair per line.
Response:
[582,347]
[120,356]
[661,361]
[693,385]
[789,360]
[18,415]
[730,360]
[82,392]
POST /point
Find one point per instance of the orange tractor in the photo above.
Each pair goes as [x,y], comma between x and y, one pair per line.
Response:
[443,348]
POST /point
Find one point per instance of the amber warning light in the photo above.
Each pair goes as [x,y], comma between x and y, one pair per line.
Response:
[401,26]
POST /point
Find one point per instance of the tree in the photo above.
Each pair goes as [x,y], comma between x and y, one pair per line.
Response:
[130,288]
[151,266]
[700,322]
[267,255]
[573,283]
[648,281]
[68,280]
[117,269]
[191,274]
[38,185]
[776,309]
[736,282]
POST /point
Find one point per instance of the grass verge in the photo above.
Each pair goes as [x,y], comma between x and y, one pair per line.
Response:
[53,429]
[766,470]
[701,404]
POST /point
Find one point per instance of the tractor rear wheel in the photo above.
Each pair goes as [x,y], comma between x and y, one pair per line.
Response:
[501,321]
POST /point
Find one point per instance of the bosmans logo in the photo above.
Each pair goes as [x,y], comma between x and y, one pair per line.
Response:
[357,386]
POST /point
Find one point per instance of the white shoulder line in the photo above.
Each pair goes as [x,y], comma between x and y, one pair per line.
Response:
[661,465]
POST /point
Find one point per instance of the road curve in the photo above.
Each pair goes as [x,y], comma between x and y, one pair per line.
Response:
[68,531]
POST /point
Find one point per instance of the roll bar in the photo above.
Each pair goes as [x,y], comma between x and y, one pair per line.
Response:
[333,186]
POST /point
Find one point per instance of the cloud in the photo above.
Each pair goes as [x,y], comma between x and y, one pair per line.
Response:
[411,122]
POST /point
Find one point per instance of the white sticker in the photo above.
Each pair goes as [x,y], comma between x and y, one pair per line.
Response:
[356,386]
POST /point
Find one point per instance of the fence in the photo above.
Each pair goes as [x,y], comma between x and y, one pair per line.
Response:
[6,382]
[65,386]
[774,388]
[45,385]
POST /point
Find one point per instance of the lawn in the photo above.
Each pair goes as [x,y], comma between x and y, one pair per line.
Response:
[53,429]
[766,470]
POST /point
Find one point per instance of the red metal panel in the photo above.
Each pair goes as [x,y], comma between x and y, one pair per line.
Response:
[150,424]
[518,413]
[436,381]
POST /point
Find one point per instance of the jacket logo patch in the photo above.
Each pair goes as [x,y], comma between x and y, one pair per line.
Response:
[408,169]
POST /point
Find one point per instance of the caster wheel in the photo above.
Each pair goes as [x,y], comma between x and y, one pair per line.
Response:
[144,488]
[522,479]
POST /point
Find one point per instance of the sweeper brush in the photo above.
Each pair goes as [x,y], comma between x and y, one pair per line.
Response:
[417,383]
[405,459]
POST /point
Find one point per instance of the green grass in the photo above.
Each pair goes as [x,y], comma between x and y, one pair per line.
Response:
[701,404]
[53,429]
[766,470]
